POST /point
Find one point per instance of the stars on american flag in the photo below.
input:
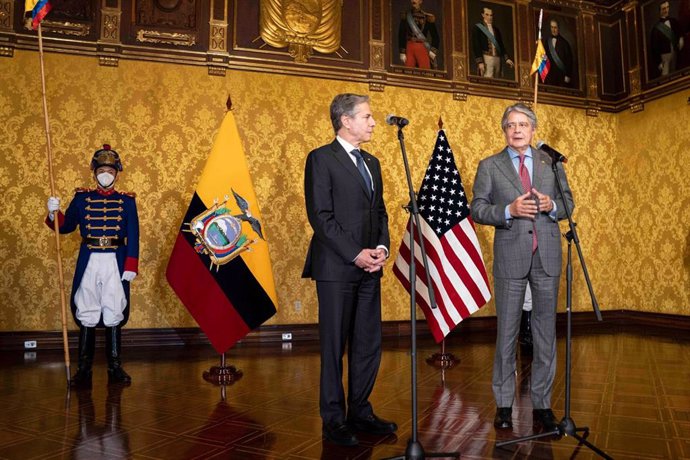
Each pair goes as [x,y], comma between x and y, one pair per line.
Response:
[442,200]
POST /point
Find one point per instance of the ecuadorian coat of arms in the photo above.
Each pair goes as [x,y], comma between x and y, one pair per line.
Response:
[219,234]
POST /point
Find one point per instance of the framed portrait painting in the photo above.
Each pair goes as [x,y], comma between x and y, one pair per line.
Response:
[417,35]
[559,38]
[491,30]
[666,24]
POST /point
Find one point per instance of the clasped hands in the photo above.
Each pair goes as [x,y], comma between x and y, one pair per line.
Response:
[527,207]
[371,260]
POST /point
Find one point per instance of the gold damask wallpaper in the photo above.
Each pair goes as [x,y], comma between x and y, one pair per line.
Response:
[627,172]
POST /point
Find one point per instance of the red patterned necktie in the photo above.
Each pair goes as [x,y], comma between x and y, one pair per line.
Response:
[527,187]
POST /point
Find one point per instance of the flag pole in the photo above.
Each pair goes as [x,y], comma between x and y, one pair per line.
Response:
[442,360]
[536,74]
[49,152]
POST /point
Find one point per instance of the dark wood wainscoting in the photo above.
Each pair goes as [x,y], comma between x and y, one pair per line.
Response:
[164,337]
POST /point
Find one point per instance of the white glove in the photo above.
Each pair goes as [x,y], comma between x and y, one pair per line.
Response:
[432,55]
[128,276]
[403,58]
[53,206]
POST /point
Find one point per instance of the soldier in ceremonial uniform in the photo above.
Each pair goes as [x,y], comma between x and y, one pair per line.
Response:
[417,37]
[107,262]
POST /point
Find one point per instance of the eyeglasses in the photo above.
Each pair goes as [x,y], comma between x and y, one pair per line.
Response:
[523,125]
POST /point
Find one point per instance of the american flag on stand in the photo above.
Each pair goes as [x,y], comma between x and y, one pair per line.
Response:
[455,259]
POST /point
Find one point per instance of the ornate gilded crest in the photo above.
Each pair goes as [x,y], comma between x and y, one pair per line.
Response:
[219,233]
[302,25]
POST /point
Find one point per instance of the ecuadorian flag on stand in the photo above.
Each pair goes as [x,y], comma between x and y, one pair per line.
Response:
[230,299]
[541,62]
[39,9]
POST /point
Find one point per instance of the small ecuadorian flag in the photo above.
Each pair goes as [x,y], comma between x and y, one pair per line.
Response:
[39,9]
[541,62]
[229,299]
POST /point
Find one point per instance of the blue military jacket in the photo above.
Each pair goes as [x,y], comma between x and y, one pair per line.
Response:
[108,222]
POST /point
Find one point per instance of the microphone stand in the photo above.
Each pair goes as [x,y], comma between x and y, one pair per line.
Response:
[414,450]
[567,426]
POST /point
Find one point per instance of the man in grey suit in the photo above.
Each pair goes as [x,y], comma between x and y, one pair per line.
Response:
[515,191]
[344,198]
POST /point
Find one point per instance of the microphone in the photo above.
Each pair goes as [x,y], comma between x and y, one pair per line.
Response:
[555,155]
[400,122]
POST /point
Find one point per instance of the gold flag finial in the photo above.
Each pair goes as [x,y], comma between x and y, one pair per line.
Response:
[228,103]
[440,123]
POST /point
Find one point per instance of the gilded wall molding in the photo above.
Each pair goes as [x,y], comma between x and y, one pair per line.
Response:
[74,29]
[108,61]
[218,27]
[635,84]
[593,86]
[459,69]
[636,107]
[525,80]
[216,71]
[6,15]
[218,37]
[376,55]
[459,96]
[376,86]
[110,23]
[167,38]
[302,27]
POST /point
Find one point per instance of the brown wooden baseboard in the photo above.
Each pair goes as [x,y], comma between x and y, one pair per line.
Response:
[613,321]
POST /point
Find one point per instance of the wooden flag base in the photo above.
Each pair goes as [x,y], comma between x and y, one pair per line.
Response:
[222,375]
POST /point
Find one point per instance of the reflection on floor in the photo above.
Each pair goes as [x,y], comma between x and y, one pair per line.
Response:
[631,390]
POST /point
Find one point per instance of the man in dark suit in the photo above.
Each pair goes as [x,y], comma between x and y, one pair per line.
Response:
[344,200]
[561,57]
[515,191]
[488,49]
[665,43]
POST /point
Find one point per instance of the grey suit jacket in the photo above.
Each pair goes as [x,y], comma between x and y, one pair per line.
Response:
[496,185]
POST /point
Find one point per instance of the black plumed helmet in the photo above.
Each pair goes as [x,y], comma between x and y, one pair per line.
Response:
[106,156]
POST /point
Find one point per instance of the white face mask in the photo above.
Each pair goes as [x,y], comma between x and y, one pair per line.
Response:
[105,179]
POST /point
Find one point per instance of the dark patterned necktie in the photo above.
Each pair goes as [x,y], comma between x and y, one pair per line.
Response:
[527,187]
[362,170]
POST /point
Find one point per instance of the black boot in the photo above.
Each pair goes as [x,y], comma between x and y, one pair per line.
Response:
[112,348]
[87,345]
[525,337]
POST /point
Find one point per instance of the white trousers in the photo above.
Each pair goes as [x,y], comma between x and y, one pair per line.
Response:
[492,66]
[101,291]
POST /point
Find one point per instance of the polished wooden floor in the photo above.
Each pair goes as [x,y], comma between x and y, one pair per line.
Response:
[631,389]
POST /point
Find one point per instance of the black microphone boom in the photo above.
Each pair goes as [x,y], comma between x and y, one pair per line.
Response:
[555,155]
[400,122]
